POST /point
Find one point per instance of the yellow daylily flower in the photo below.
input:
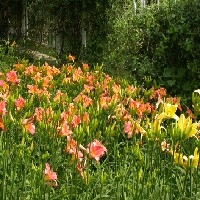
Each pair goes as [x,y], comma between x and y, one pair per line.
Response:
[156,126]
[195,159]
[191,161]
[169,112]
[179,158]
[186,127]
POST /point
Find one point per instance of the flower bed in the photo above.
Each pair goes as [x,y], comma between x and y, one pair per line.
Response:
[72,133]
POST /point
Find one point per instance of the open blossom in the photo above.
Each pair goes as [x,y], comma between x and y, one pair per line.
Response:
[30,70]
[30,128]
[19,103]
[133,127]
[76,120]
[33,89]
[96,150]
[64,129]
[29,125]
[11,77]
[116,88]
[50,176]
[186,161]
[128,128]
[71,58]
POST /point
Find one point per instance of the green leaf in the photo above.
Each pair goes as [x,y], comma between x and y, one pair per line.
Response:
[187,87]
[171,82]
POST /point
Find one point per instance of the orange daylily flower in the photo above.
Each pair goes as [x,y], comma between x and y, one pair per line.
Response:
[96,150]
[85,66]
[86,101]
[71,58]
[19,103]
[116,88]
[37,77]
[69,69]
[1,125]
[30,70]
[59,96]
[131,89]
[70,111]
[30,128]
[33,89]
[64,129]
[159,93]
[86,117]
[11,77]
[2,108]
[76,120]
[71,144]
[50,71]
[50,176]
[128,128]
[104,101]
[133,127]
[72,149]
[29,124]
[18,66]
[90,79]
[4,85]
[39,113]
[46,82]
[88,88]
[77,75]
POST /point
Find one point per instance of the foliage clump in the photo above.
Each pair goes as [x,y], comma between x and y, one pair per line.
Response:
[161,41]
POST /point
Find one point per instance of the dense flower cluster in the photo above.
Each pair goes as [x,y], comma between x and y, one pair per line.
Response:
[71,102]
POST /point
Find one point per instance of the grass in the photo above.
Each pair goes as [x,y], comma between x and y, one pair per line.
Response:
[101,137]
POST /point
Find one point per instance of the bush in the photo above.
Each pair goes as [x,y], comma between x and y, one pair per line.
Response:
[161,42]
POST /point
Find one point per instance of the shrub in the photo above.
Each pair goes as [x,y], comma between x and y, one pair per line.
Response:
[159,41]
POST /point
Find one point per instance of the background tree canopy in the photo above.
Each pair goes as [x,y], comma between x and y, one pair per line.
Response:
[160,41]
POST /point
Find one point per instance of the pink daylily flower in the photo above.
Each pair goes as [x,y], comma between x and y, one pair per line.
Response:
[96,150]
